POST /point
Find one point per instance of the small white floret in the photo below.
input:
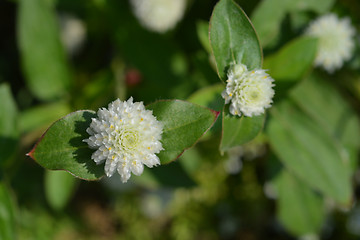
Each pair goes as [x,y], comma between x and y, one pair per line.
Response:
[158,15]
[336,41]
[248,92]
[127,137]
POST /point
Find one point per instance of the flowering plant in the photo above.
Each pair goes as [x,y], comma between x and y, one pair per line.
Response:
[196,119]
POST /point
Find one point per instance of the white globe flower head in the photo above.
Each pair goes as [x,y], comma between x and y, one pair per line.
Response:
[336,41]
[158,15]
[127,137]
[248,92]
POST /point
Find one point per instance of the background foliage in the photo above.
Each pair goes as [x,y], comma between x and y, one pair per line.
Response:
[297,178]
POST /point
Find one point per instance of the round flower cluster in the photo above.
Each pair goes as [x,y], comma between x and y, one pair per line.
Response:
[126,137]
[159,15]
[249,92]
[336,42]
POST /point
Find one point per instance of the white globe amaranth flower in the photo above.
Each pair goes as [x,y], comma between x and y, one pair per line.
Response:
[336,41]
[127,137]
[158,15]
[248,92]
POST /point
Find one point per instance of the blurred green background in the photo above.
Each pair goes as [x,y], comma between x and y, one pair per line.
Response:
[59,56]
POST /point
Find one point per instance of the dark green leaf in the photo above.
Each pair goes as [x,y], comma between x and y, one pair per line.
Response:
[8,124]
[233,38]
[293,61]
[239,130]
[59,187]
[184,123]
[43,58]
[308,151]
[62,147]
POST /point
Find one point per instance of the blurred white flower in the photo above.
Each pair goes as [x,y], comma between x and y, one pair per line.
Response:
[233,164]
[72,33]
[126,137]
[249,92]
[336,43]
[158,15]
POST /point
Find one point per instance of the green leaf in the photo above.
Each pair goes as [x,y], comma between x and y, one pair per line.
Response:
[210,97]
[7,214]
[269,14]
[239,130]
[42,54]
[62,147]
[267,18]
[326,106]
[8,124]
[299,208]
[233,38]
[42,115]
[202,29]
[308,151]
[320,6]
[59,187]
[328,109]
[293,61]
[184,123]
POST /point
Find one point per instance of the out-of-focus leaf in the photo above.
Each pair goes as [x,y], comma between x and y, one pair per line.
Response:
[62,147]
[8,124]
[268,15]
[308,151]
[7,214]
[299,208]
[202,29]
[320,6]
[42,54]
[43,115]
[324,105]
[59,186]
[233,38]
[239,130]
[293,61]
[267,18]
[184,123]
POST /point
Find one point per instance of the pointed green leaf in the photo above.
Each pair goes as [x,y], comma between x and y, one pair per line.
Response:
[299,208]
[8,124]
[293,61]
[233,38]
[184,123]
[308,151]
[59,186]
[42,54]
[239,130]
[62,147]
